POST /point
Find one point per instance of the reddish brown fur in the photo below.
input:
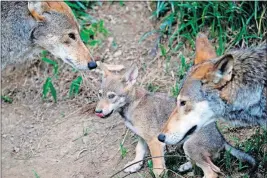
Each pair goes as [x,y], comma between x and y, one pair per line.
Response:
[202,71]
[60,7]
[204,50]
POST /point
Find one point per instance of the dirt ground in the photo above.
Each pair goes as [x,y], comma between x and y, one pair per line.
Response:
[65,139]
[46,138]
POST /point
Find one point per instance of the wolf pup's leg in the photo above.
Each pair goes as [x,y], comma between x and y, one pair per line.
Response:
[140,150]
[157,150]
[208,170]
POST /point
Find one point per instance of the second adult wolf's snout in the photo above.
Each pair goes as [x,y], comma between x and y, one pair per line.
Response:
[161,137]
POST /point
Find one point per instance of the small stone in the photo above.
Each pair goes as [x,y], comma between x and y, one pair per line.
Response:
[117,53]
[16,149]
[95,7]
[190,174]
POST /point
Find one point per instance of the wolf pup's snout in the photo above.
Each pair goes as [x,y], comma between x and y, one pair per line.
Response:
[92,65]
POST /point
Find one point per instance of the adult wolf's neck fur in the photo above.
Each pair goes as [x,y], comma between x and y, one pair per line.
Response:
[17,14]
[246,92]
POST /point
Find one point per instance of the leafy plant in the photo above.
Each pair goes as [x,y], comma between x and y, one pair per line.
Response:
[6,99]
[150,166]
[75,86]
[123,150]
[35,174]
[54,63]
[49,87]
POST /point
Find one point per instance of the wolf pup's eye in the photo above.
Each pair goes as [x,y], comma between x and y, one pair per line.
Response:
[111,96]
[182,103]
[72,36]
[100,93]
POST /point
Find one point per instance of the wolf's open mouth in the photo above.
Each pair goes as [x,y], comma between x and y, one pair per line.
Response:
[104,116]
[189,132]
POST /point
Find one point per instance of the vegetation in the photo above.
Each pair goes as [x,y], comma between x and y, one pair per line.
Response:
[232,24]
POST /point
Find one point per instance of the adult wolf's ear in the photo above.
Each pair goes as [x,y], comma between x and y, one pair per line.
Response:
[223,69]
[204,49]
[37,8]
[131,74]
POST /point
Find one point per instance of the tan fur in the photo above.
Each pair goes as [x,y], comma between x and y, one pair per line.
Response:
[144,113]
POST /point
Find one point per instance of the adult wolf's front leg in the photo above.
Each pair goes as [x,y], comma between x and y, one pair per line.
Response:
[157,150]
[140,150]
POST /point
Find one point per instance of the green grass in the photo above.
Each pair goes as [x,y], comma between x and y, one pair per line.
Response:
[35,174]
[123,150]
[232,24]
[255,146]
[75,86]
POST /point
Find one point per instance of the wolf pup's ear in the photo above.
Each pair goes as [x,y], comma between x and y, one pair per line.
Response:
[204,49]
[223,69]
[104,69]
[37,8]
[131,75]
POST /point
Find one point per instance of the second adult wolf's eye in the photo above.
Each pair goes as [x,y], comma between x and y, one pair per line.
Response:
[111,96]
[182,103]
[72,36]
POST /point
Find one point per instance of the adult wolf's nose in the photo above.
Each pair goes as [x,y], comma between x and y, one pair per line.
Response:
[92,65]
[161,137]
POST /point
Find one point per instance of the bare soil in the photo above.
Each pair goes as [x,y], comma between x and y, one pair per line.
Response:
[48,138]
[65,139]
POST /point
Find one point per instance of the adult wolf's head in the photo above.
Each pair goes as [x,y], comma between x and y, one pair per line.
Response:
[201,95]
[58,32]
[115,90]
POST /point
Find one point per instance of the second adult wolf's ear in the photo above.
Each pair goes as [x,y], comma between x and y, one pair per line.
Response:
[204,49]
[37,8]
[223,69]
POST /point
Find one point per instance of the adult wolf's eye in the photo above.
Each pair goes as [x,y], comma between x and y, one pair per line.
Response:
[111,96]
[182,103]
[72,36]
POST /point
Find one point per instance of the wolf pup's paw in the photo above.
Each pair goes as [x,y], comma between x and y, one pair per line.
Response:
[185,167]
[133,168]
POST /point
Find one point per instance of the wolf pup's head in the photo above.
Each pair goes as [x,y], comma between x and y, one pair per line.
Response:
[115,89]
[200,99]
[58,32]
